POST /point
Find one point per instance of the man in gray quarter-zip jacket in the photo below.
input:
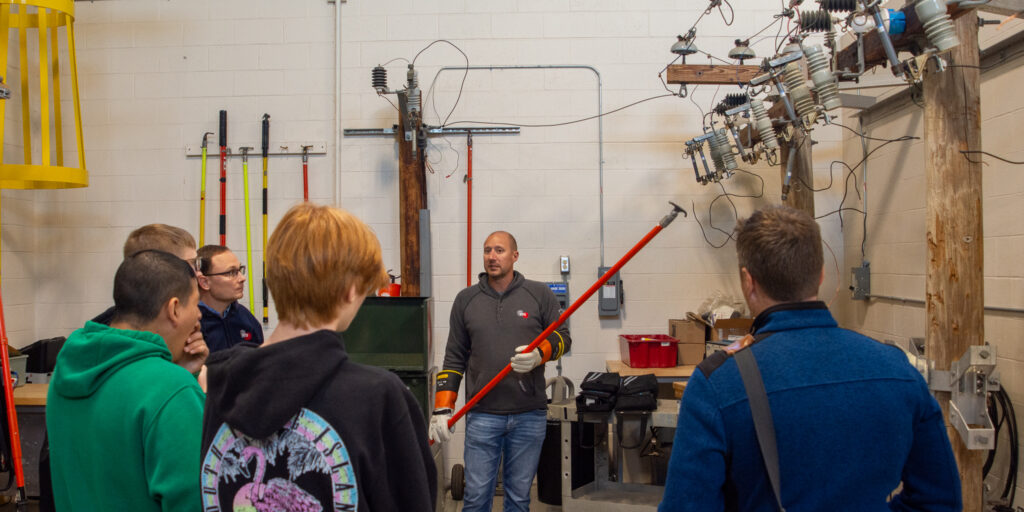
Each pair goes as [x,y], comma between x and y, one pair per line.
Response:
[491,323]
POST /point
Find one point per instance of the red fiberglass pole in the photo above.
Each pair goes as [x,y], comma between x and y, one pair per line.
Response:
[570,310]
[224,178]
[12,415]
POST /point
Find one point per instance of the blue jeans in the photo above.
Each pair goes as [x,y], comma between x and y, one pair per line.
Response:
[488,436]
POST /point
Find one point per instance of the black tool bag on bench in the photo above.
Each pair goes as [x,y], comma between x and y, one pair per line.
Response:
[638,396]
[598,393]
[638,393]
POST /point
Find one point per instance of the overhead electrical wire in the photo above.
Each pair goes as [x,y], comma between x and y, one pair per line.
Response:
[462,85]
[966,152]
[732,13]
[728,195]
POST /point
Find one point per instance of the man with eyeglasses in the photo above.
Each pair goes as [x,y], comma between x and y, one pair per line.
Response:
[226,322]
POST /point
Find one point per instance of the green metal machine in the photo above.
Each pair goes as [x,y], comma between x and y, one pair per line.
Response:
[394,333]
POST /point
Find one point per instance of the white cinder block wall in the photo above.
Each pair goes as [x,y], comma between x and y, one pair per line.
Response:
[895,243]
[154,74]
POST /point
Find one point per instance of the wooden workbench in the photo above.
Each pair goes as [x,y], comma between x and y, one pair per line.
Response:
[673,373]
[31,394]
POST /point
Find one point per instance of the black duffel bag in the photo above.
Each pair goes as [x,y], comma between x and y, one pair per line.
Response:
[598,393]
[638,393]
[638,396]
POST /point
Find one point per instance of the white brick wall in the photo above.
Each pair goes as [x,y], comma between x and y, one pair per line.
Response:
[154,74]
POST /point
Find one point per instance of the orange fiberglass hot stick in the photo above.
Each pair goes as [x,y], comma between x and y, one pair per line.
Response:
[12,415]
[676,209]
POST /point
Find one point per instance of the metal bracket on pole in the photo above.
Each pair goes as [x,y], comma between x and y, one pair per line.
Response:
[969,380]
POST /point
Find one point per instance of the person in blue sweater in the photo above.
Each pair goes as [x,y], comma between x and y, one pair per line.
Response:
[853,419]
[226,322]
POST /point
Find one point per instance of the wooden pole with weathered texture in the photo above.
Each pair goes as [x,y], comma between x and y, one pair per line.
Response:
[412,197]
[954,285]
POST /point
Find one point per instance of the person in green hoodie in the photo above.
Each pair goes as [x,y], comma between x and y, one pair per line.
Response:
[124,421]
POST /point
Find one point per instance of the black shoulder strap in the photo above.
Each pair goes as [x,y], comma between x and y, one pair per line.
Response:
[761,412]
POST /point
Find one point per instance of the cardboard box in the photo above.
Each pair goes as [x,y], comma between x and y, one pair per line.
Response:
[731,329]
[691,340]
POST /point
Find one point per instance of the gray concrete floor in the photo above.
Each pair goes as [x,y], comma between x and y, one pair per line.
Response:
[31,506]
[451,505]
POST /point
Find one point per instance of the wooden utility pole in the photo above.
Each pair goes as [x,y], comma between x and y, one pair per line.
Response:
[412,197]
[800,197]
[954,288]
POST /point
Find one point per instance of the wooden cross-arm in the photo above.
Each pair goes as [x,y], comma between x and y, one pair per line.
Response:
[712,74]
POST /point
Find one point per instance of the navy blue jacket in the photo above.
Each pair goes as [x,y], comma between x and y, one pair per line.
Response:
[235,326]
[852,417]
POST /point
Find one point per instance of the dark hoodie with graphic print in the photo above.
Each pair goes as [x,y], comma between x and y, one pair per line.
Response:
[295,425]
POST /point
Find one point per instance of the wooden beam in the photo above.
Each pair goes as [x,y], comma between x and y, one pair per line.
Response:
[412,197]
[711,74]
[1003,7]
[954,284]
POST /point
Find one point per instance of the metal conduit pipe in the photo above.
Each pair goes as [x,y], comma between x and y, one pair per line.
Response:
[600,121]
[994,309]
[336,192]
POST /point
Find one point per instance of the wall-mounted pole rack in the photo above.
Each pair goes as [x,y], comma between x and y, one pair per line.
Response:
[284,149]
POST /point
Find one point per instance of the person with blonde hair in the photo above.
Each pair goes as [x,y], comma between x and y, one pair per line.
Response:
[293,423]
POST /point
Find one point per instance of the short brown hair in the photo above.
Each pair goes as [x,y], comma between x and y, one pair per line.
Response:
[206,254]
[781,248]
[158,237]
[315,255]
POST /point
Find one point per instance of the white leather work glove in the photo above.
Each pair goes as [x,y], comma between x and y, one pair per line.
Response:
[439,431]
[524,362]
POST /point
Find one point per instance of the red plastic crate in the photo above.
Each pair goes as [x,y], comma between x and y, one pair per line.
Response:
[648,350]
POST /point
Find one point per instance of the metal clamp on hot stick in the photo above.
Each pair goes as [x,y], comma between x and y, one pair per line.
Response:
[662,224]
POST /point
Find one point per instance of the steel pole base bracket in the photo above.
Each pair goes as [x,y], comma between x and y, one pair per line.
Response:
[969,380]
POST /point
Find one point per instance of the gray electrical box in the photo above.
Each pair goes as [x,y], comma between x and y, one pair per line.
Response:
[609,296]
[860,281]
